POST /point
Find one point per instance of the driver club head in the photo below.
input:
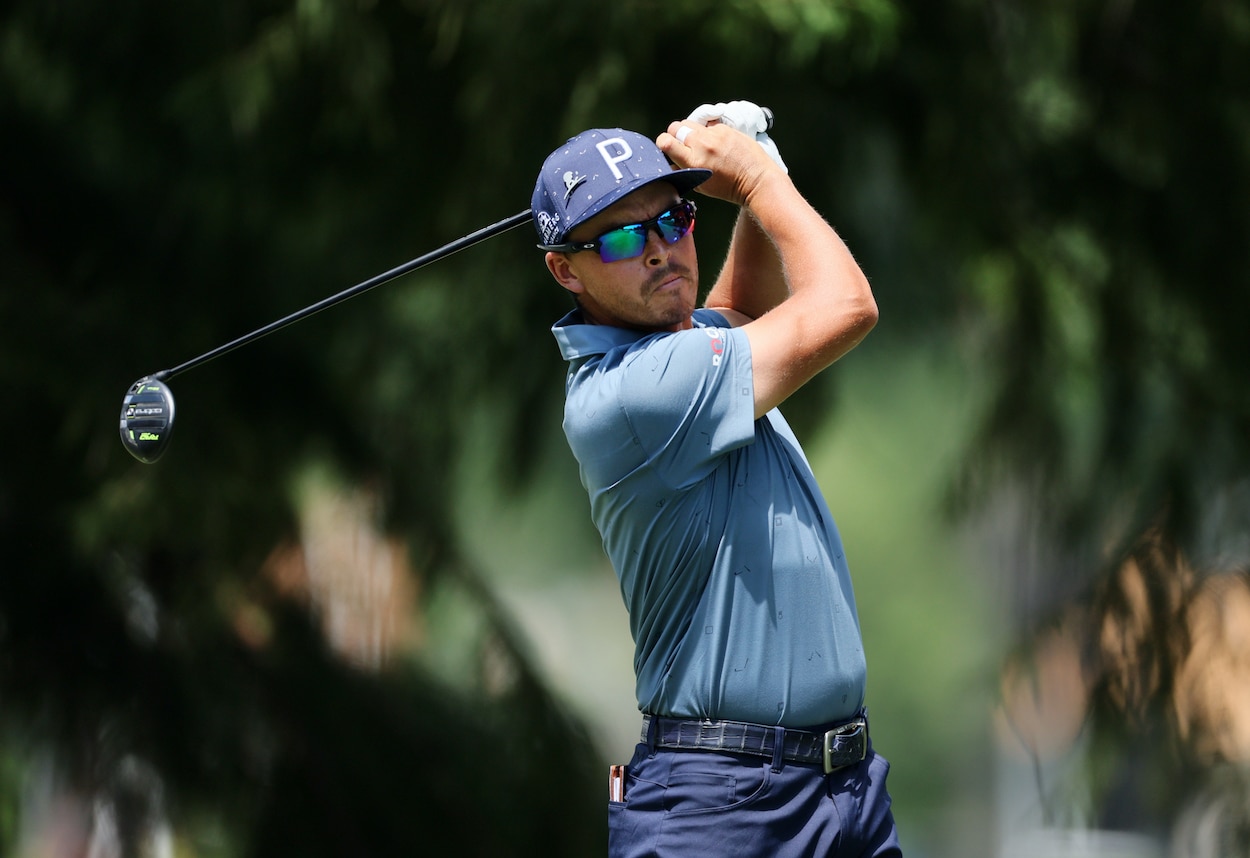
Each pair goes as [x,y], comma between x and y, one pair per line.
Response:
[148,410]
[147,419]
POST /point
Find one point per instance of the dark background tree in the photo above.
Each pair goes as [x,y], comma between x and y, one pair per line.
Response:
[1056,191]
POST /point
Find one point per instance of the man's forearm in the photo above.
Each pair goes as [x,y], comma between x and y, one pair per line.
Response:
[752,280]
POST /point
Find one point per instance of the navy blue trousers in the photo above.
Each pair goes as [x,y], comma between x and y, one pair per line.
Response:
[684,803]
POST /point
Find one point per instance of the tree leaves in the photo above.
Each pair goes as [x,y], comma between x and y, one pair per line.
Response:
[1060,187]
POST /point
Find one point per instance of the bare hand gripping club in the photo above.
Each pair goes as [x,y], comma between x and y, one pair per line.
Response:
[147,417]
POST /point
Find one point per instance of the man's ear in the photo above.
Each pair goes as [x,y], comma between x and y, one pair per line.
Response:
[560,268]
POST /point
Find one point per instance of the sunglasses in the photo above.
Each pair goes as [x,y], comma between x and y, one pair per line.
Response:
[629,241]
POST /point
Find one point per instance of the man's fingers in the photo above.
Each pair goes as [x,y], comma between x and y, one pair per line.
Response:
[678,130]
[744,116]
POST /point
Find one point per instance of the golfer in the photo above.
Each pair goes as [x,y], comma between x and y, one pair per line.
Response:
[749,662]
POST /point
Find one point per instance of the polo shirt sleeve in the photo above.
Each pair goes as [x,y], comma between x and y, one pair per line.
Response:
[688,400]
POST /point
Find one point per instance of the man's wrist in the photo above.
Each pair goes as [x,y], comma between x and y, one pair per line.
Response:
[772,182]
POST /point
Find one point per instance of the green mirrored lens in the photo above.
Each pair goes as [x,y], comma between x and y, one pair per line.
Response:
[624,243]
[627,242]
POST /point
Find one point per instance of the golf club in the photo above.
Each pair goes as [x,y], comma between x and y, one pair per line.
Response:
[147,416]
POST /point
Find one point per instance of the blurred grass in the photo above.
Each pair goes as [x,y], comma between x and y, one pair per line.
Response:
[926,602]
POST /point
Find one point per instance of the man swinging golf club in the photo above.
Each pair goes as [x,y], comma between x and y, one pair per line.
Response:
[749,663]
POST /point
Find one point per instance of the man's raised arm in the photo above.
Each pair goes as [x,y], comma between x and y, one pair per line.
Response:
[820,307]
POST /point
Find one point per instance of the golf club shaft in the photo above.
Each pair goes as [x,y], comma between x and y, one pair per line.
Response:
[433,256]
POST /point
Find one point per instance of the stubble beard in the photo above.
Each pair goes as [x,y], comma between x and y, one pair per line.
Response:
[670,314]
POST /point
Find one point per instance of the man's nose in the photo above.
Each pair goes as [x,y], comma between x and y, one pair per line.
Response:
[657,248]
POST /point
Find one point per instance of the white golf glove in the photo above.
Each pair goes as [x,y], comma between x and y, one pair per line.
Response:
[741,116]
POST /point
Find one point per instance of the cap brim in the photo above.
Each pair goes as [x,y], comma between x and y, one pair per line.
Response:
[690,178]
[683,180]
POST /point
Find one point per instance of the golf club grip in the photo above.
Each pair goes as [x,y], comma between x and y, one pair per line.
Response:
[385,277]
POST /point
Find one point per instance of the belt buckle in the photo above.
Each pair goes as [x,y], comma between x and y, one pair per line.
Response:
[859,725]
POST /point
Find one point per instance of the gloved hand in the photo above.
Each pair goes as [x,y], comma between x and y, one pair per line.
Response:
[741,116]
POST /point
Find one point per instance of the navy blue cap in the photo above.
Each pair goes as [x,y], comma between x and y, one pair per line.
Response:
[594,170]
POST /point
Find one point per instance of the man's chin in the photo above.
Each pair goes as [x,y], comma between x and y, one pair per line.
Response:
[673,304]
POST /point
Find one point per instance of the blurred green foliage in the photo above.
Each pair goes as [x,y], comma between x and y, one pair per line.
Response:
[1057,191]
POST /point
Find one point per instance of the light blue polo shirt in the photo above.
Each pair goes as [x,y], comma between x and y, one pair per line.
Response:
[730,564]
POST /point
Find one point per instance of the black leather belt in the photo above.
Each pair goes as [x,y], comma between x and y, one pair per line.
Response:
[837,748]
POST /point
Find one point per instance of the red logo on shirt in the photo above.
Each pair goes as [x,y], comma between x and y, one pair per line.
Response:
[718,344]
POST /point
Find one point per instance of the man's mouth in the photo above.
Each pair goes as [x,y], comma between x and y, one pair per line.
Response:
[667,281]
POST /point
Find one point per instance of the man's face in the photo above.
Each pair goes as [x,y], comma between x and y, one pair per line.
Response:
[652,292]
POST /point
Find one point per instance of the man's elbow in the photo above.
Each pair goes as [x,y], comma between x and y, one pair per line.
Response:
[862,316]
[848,329]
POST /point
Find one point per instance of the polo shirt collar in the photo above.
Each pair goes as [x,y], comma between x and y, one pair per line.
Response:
[579,339]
